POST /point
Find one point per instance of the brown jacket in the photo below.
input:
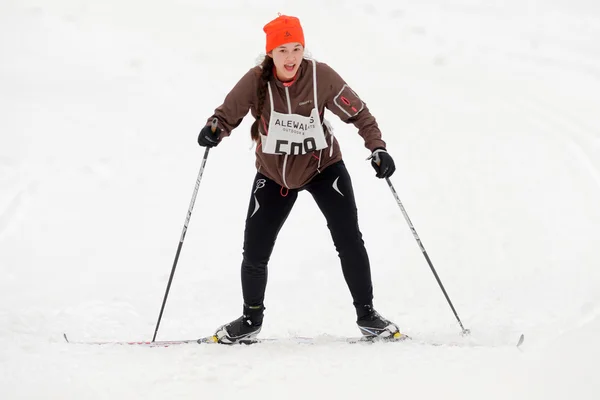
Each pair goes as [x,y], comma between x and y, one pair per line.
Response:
[294,171]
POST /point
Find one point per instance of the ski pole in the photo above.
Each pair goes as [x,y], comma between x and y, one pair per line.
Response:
[420,243]
[185,227]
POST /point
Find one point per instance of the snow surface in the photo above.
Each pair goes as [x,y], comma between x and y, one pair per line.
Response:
[490,110]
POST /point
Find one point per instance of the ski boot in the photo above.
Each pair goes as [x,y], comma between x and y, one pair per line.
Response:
[373,326]
[242,330]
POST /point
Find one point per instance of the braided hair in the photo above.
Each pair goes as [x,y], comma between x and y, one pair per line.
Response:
[265,75]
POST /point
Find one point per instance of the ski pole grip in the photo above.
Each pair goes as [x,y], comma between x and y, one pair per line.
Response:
[213,125]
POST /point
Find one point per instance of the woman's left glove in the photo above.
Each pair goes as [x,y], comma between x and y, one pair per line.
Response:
[383,163]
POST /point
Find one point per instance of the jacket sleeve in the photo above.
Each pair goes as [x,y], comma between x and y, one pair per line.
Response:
[341,100]
[236,104]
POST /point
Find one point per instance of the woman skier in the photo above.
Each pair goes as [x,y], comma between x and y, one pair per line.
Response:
[295,150]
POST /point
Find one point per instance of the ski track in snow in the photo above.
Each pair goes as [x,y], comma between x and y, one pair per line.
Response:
[10,211]
[582,139]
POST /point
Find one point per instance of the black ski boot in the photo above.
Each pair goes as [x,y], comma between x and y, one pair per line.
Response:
[374,326]
[242,330]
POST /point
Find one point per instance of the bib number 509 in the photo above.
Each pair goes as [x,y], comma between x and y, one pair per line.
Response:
[295,148]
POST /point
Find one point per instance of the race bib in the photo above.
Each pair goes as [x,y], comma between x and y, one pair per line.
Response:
[294,134]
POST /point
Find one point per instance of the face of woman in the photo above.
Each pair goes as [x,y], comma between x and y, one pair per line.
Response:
[287,59]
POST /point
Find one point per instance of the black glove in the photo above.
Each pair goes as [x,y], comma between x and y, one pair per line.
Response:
[208,138]
[383,163]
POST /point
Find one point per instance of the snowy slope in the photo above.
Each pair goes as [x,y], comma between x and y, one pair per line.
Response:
[490,110]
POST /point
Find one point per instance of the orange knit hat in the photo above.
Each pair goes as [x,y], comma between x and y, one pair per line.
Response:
[283,29]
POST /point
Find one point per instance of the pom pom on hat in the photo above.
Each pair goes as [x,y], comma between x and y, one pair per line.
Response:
[283,29]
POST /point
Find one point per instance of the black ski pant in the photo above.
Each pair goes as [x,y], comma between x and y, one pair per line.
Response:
[269,208]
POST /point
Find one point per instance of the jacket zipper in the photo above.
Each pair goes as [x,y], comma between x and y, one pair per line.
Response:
[289,104]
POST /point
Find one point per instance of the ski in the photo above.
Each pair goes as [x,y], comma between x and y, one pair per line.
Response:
[213,340]
[322,339]
[158,343]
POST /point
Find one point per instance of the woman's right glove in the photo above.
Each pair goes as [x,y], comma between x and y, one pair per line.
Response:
[208,138]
